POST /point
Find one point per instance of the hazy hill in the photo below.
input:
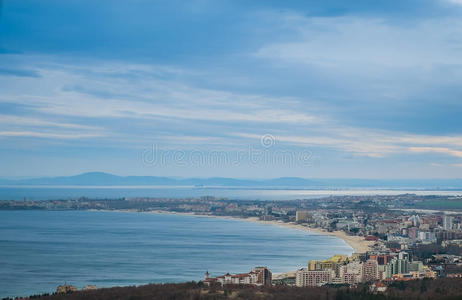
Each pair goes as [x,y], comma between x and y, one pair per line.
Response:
[105,179]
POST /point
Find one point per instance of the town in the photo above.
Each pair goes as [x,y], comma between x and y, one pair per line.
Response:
[402,239]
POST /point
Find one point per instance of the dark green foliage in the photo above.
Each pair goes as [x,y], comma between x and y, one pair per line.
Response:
[439,289]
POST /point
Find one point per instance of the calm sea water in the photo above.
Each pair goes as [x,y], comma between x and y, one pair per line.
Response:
[42,249]
[65,192]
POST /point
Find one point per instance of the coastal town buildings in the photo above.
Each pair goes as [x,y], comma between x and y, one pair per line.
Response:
[305,277]
[370,271]
[447,222]
[301,216]
[65,289]
[394,236]
[258,276]
[355,269]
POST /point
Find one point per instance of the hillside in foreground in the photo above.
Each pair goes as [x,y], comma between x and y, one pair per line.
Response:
[447,288]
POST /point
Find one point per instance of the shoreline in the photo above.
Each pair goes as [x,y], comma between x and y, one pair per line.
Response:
[357,243]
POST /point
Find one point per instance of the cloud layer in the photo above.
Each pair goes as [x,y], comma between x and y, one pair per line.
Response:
[370,93]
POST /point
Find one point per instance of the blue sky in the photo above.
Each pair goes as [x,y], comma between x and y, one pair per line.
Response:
[340,89]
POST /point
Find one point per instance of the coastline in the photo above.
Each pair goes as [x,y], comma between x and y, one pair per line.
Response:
[357,243]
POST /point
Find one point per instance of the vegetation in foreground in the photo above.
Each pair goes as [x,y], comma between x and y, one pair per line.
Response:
[447,288]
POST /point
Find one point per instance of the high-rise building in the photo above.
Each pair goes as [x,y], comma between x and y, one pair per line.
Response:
[382,259]
[412,233]
[415,220]
[351,273]
[398,265]
[416,266]
[264,275]
[370,270]
[447,222]
[301,216]
[305,277]
[315,265]
[427,236]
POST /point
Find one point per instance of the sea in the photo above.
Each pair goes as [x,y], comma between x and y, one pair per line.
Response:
[40,250]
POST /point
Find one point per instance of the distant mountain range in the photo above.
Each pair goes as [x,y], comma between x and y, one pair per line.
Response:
[105,179]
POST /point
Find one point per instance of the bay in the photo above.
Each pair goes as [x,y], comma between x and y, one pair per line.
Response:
[42,249]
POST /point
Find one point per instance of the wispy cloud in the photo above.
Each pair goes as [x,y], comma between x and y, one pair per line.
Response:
[359,84]
[109,95]
[356,146]
[366,142]
[360,44]
[441,150]
[373,59]
[28,121]
[49,135]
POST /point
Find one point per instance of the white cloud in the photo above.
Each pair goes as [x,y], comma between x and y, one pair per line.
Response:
[102,95]
[372,58]
[455,1]
[362,43]
[98,93]
[372,143]
[442,150]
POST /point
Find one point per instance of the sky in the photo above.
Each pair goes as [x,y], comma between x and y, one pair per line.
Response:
[244,89]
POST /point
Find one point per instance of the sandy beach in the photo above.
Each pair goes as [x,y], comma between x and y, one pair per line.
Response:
[358,243]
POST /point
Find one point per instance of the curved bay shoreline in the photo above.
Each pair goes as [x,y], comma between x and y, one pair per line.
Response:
[357,243]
